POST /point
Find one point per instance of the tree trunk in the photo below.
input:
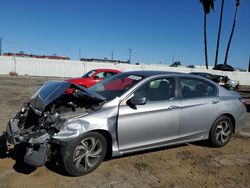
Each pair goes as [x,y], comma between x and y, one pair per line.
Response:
[249,65]
[205,39]
[218,38]
[231,35]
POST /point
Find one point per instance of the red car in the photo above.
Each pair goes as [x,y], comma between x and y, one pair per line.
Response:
[94,76]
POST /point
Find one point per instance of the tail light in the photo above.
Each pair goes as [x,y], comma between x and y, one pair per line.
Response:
[243,101]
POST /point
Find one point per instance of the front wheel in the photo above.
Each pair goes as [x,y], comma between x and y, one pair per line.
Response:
[84,154]
[221,131]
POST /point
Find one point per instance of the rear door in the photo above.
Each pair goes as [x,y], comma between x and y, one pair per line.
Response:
[199,107]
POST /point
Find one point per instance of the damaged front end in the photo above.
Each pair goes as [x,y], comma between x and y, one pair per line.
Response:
[44,116]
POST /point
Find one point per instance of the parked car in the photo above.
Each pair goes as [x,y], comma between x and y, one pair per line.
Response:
[129,112]
[223,67]
[191,66]
[94,76]
[176,64]
[221,80]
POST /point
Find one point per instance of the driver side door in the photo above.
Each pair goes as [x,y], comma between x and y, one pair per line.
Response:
[154,123]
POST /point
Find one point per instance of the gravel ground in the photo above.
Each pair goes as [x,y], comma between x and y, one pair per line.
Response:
[188,165]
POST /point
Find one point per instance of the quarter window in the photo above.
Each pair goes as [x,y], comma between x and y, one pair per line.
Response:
[157,90]
[192,88]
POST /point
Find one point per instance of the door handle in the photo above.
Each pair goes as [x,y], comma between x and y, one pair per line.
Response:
[215,101]
[173,107]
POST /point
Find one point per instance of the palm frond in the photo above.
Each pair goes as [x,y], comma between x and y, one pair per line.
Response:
[208,5]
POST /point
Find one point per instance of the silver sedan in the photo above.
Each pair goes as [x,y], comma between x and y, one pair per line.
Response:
[128,112]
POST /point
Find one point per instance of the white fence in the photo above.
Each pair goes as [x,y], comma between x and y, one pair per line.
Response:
[69,68]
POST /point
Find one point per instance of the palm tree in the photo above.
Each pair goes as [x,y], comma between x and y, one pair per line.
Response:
[232,31]
[249,65]
[218,38]
[207,6]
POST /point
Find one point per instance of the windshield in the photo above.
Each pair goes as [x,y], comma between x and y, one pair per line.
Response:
[116,85]
[89,74]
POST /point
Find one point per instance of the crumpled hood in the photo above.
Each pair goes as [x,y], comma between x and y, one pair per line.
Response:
[52,90]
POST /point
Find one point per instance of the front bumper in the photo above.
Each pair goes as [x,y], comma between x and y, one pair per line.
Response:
[37,153]
[12,132]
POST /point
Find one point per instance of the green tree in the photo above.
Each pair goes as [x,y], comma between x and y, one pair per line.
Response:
[207,6]
[218,38]
[232,31]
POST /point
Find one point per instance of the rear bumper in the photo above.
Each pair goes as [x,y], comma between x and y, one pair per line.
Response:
[241,120]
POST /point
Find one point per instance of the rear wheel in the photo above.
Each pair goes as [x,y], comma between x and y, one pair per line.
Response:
[84,154]
[221,131]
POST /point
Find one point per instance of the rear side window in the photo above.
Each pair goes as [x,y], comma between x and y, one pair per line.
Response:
[105,75]
[193,88]
[109,74]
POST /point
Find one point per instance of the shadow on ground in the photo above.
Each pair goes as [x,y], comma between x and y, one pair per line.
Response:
[57,167]
[16,154]
[203,143]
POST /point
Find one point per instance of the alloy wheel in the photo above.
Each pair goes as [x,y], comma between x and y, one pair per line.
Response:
[87,154]
[222,132]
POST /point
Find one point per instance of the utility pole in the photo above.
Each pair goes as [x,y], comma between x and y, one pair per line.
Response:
[112,55]
[80,55]
[130,51]
[249,65]
[1,45]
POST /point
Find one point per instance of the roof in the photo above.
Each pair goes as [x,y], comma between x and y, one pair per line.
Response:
[148,73]
[108,70]
[201,73]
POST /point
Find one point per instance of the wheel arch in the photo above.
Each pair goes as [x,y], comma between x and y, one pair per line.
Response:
[108,138]
[231,117]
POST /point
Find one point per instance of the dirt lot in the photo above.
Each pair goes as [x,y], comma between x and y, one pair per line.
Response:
[191,165]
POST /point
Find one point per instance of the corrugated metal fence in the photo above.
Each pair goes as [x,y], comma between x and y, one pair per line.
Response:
[69,68]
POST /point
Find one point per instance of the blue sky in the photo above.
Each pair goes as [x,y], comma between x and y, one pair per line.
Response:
[157,31]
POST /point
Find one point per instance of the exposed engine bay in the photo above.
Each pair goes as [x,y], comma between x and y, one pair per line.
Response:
[45,114]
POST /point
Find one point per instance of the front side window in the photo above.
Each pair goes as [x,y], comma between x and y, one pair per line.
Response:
[157,90]
[89,74]
[193,88]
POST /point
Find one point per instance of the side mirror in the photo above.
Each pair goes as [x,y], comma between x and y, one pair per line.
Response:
[137,101]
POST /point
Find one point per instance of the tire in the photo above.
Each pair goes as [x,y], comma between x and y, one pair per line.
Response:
[84,154]
[221,131]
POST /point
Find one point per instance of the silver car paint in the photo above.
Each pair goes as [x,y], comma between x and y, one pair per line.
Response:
[149,124]
[155,124]
[202,111]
